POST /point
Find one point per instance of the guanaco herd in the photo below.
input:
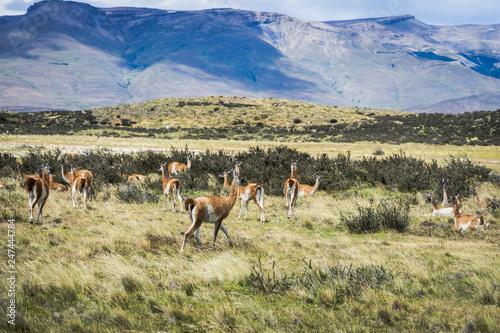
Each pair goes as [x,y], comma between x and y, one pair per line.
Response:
[451,207]
[214,209]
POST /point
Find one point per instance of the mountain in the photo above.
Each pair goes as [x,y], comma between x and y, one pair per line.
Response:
[70,55]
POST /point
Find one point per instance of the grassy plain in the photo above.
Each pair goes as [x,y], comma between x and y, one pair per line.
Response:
[117,267]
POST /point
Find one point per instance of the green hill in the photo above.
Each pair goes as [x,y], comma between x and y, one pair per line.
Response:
[243,118]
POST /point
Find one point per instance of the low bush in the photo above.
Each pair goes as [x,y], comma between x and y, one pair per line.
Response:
[344,281]
[271,168]
[8,163]
[136,194]
[386,215]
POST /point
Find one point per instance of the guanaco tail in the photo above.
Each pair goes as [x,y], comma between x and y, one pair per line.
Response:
[37,189]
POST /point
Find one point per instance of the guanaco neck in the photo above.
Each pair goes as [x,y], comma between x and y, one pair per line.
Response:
[67,176]
[189,162]
[434,205]
[164,172]
[226,182]
[446,195]
[316,185]
[294,171]
[45,175]
[21,173]
[476,198]
[456,210]
[233,193]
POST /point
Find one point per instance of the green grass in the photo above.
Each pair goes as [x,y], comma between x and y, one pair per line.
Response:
[117,267]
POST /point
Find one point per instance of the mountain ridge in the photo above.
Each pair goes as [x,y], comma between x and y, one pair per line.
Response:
[69,55]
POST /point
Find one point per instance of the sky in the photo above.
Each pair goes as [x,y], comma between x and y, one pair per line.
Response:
[433,12]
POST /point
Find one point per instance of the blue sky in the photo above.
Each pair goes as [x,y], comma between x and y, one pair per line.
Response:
[435,12]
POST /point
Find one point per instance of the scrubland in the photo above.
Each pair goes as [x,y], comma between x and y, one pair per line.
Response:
[117,267]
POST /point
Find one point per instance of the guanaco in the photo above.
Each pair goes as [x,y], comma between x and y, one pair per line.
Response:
[37,189]
[465,221]
[171,187]
[482,204]
[211,209]
[306,190]
[291,190]
[252,191]
[176,168]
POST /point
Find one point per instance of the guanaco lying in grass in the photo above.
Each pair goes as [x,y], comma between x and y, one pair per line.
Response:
[466,221]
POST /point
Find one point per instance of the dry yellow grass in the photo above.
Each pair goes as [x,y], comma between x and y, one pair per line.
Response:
[117,266]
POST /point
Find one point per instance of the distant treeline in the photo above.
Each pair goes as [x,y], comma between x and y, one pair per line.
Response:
[269,167]
[469,128]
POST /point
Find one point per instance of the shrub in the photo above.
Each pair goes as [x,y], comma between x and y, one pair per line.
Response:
[35,158]
[135,194]
[386,215]
[8,164]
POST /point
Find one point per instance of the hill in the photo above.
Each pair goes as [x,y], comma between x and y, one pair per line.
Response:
[68,55]
[260,119]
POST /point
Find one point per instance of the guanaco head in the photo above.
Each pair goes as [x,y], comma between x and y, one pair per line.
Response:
[473,190]
[455,200]
[241,181]
[445,182]
[224,174]
[428,198]
[319,177]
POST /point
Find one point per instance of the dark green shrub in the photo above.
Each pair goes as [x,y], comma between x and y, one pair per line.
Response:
[8,163]
[365,221]
[35,158]
[386,215]
[136,194]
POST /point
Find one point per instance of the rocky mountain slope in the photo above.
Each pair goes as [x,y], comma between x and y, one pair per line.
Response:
[69,55]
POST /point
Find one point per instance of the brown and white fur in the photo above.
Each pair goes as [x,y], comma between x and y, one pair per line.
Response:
[136,178]
[1,185]
[56,186]
[172,187]
[444,211]
[252,191]
[176,168]
[306,190]
[225,175]
[38,191]
[291,191]
[465,221]
[211,209]
[68,177]
[446,194]
[482,204]
[79,184]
